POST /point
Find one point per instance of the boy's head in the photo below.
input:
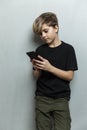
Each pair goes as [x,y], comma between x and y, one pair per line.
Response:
[48,18]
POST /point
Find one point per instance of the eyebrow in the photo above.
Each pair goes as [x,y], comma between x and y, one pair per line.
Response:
[45,29]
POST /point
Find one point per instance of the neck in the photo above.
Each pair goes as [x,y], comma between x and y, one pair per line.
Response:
[56,43]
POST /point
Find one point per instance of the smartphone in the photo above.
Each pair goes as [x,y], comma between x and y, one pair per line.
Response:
[32,55]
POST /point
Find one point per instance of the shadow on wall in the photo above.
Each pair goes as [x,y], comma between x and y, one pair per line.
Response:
[36,40]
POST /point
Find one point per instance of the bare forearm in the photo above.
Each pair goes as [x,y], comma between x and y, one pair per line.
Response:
[36,73]
[66,75]
[45,65]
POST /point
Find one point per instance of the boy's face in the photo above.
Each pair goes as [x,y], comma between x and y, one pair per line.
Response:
[49,33]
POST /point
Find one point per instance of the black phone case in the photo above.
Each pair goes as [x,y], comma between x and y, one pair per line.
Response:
[32,54]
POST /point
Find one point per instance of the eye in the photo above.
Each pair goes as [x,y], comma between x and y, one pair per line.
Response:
[46,30]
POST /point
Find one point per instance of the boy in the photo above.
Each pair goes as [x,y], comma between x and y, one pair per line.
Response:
[54,70]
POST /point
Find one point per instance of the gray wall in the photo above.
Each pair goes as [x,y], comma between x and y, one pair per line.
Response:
[17,85]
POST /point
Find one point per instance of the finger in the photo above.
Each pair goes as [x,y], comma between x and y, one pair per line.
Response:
[41,58]
[39,67]
[38,61]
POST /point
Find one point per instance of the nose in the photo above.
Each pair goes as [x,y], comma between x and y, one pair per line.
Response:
[43,35]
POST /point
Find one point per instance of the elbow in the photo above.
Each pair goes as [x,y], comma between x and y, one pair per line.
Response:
[70,76]
[68,79]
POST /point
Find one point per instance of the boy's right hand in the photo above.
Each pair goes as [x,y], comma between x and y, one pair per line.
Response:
[33,63]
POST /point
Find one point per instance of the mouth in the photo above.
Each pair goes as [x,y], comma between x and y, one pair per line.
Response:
[45,39]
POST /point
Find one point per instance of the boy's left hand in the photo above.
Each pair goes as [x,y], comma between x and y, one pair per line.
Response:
[42,64]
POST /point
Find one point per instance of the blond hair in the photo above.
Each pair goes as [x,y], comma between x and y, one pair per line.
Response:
[48,18]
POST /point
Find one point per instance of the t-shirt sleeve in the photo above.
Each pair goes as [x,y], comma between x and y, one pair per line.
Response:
[71,59]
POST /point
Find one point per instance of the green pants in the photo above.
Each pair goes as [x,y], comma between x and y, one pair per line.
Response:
[52,114]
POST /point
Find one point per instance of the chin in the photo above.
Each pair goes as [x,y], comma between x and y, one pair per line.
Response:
[48,42]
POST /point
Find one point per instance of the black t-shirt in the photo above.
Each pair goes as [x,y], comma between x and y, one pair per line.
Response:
[62,57]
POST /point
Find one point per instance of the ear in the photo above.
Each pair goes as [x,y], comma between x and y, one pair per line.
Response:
[56,28]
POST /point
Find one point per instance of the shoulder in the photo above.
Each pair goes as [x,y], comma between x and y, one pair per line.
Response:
[68,46]
[43,46]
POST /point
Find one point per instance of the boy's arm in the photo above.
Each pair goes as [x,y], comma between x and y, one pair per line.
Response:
[66,75]
[43,64]
[36,73]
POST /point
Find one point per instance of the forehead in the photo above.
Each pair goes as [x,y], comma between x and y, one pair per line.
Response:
[45,26]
